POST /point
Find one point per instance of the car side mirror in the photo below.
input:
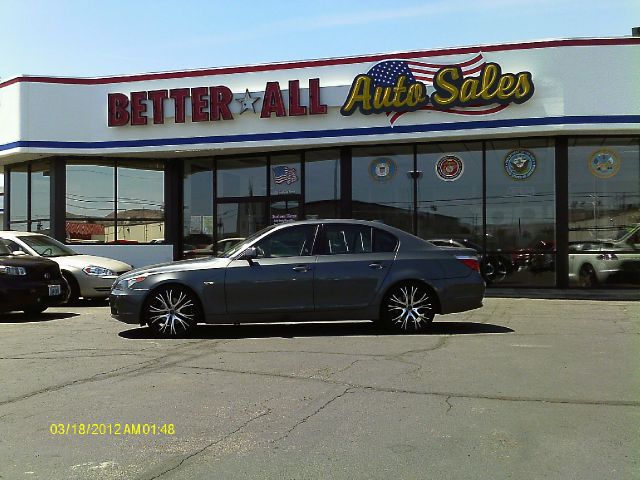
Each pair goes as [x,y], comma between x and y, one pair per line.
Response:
[250,254]
[18,252]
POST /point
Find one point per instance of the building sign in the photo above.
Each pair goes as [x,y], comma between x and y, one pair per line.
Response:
[449,168]
[519,164]
[209,104]
[604,163]
[395,87]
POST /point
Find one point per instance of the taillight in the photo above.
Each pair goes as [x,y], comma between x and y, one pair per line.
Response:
[471,262]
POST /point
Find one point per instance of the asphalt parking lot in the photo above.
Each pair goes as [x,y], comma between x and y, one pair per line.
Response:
[522,389]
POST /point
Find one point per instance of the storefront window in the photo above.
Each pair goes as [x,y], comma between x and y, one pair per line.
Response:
[240,219]
[604,212]
[382,185]
[40,197]
[198,233]
[92,206]
[520,211]
[140,201]
[18,208]
[322,184]
[450,191]
[241,177]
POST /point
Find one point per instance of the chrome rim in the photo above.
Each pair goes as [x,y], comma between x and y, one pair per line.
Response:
[172,311]
[410,307]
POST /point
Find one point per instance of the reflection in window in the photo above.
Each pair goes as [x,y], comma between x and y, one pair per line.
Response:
[604,212]
[239,220]
[198,205]
[95,214]
[520,193]
[520,212]
[241,177]
[18,206]
[140,201]
[450,191]
[382,186]
[322,184]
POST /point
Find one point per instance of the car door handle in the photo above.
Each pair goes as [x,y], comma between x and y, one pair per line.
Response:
[301,268]
[377,266]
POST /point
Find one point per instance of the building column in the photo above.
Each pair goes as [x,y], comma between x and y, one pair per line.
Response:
[57,198]
[173,205]
[562,212]
[7,197]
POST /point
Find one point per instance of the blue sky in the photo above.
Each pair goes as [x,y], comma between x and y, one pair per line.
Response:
[95,38]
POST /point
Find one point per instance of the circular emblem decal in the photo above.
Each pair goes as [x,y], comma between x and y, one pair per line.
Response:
[604,163]
[382,169]
[520,164]
[449,168]
[47,276]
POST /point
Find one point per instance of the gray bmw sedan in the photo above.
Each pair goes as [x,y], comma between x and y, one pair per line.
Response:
[305,271]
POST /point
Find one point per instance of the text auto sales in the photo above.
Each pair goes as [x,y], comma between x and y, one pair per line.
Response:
[451,90]
[208,104]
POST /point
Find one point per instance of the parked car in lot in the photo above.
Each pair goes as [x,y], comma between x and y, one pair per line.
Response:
[29,284]
[303,271]
[88,276]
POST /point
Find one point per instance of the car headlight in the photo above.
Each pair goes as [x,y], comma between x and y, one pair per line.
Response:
[129,282]
[11,270]
[98,271]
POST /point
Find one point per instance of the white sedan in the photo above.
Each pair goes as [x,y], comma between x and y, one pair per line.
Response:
[88,276]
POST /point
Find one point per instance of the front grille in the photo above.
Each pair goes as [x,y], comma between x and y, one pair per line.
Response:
[43,272]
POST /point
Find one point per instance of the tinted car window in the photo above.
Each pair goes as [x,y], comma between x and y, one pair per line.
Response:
[4,250]
[344,239]
[289,242]
[13,246]
[384,241]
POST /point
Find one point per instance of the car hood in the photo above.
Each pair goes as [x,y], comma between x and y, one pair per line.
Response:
[81,261]
[24,261]
[179,266]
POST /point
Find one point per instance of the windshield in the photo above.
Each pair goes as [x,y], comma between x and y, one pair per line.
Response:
[246,242]
[47,246]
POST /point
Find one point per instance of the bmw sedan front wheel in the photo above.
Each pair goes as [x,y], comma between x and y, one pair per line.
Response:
[172,311]
[409,307]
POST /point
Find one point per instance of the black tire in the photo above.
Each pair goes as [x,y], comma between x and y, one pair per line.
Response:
[587,277]
[35,309]
[172,311]
[74,289]
[408,307]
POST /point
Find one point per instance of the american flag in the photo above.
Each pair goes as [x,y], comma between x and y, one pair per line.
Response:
[385,74]
[284,174]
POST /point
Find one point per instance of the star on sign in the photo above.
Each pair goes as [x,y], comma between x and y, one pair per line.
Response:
[247,102]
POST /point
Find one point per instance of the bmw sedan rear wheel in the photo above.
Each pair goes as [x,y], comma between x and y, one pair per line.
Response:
[409,307]
[172,311]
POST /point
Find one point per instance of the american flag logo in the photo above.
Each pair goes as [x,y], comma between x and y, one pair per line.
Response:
[385,74]
[283,174]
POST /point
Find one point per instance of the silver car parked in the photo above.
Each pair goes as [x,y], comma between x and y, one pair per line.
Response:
[304,271]
[88,276]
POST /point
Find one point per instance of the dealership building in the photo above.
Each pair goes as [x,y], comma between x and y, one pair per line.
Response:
[529,152]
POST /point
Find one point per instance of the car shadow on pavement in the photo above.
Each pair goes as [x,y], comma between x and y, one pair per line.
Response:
[329,329]
[18,317]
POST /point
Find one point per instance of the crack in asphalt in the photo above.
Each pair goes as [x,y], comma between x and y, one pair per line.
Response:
[206,447]
[476,396]
[446,400]
[133,370]
[304,419]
